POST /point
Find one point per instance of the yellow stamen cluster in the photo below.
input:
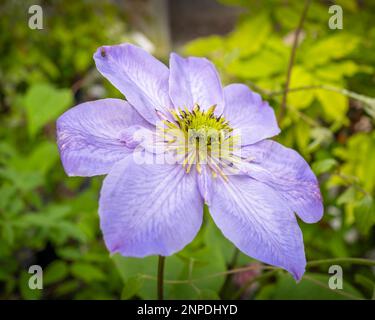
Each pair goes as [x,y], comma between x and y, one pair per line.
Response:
[200,137]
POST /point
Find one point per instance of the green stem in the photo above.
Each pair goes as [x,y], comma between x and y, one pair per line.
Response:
[161,277]
[345,92]
[359,261]
[338,292]
[365,262]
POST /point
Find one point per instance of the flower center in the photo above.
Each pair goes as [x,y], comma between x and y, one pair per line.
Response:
[199,137]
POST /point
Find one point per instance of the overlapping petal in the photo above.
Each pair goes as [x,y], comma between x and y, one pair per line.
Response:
[204,180]
[149,209]
[286,172]
[255,218]
[253,118]
[194,80]
[90,136]
[139,76]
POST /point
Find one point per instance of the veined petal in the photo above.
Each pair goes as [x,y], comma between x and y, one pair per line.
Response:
[149,209]
[247,113]
[257,221]
[286,172]
[194,80]
[139,76]
[204,180]
[89,136]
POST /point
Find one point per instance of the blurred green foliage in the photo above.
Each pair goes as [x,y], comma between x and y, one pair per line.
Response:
[51,220]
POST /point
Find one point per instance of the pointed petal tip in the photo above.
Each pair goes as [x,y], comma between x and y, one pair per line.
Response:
[297,274]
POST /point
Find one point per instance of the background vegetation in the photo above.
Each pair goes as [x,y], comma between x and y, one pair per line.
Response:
[49,219]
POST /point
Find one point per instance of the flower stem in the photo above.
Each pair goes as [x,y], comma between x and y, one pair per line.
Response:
[161,277]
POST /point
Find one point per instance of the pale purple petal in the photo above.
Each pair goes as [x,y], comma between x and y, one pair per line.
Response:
[149,209]
[288,174]
[204,180]
[248,114]
[139,76]
[194,80]
[257,221]
[89,135]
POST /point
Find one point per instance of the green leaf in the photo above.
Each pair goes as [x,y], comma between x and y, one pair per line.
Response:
[87,272]
[67,287]
[55,272]
[364,212]
[320,136]
[334,72]
[204,46]
[265,292]
[264,64]
[26,292]
[300,78]
[40,160]
[43,103]
[250,35]
[200,265]
[335,105]
[329,48]
[347,196]
[208,295]
[365,282]
[323,166]
[131,287]
[133,267]
[7,233]
[358,155]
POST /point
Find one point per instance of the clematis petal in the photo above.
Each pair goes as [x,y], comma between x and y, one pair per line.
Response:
[257,221]
[204,180]
[138,75]
[286,172]
[246,112]
[194,80]
[89,136]
[149,209]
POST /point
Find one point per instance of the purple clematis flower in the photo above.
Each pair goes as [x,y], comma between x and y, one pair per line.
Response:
[157,209]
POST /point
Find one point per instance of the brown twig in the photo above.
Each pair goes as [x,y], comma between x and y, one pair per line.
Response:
[292,58]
